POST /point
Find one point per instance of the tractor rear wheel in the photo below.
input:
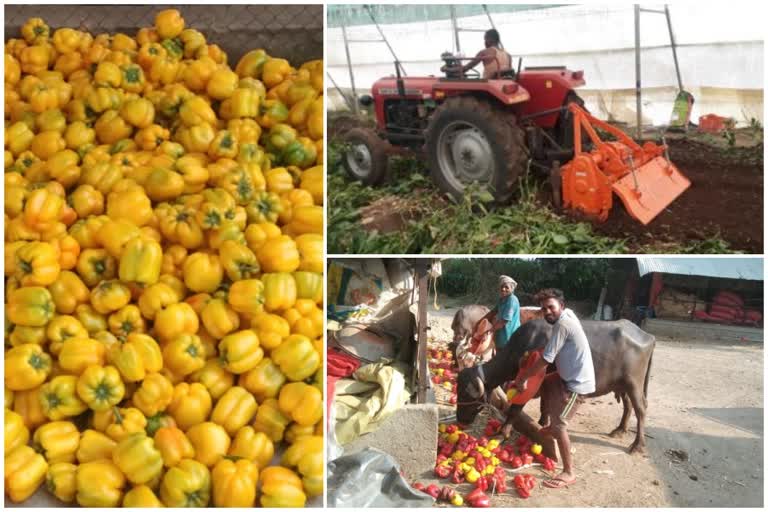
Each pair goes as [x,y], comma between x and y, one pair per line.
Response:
[365,156]
[470,140]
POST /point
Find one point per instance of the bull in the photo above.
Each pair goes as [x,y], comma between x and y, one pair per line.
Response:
[621,353]
[464,323]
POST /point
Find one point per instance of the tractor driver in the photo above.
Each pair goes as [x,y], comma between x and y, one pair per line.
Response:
[494,59]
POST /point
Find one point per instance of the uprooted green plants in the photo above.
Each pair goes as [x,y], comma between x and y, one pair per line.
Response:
[427,221]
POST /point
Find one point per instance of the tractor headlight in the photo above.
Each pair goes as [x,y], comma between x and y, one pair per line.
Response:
[366,100]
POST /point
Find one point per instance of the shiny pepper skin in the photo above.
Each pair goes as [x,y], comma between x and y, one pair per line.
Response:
[30,306]
[210,441]
[306,454]
[252,445]
[234,483]
[302,402]
[234,409]
[136,356]
[26,367]
[174,446]
[61,481]
[271,420]
[57,441]
[240,351]
[140,261]
[59,398]
[154,394]
[138,458]
[95,445]
[188,484]
[15,433]
[25,471]
[190,405]
[281,487]
[141,496]
[99,484]
[296,357]
[101,387]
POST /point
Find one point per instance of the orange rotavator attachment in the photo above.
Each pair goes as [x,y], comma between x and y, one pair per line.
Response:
[643,177]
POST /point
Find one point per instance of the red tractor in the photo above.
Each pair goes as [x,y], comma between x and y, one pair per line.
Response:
[489,130]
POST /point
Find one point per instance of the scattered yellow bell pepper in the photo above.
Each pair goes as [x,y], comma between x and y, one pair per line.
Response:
[240,351]
[138,458]
[137,356]
[216,379]
[187,484]
[26,367]
[30,306]
[61,481]
[297,358]
[57,441]
[100,387]
[234,483]
[264,380]
[25,471]
[219,319]
[99,484]
[95,445]
[271,329]
[174,320]
[281,487]
[27,404]
[60,399]
[191,404]
[140,261]
[184,354]
[210,441]
[234,409]
[154,394]
[270,420]
[16,433]
[302,402]
[141,496]
[306,454]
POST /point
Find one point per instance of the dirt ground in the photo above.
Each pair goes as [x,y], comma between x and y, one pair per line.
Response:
[725,199]
[704,434]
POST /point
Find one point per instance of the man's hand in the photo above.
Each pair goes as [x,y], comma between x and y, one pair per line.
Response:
[521,384]
[506,430]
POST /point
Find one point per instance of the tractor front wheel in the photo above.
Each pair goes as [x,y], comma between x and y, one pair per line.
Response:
[365,156]
[469,140]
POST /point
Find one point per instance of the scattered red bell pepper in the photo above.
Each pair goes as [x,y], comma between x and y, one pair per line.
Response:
[433,490]
[517,462]
[418,486]
[442,471]
[478,499]
[527,459]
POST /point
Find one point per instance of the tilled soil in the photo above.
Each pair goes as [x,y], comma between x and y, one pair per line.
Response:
[725,200]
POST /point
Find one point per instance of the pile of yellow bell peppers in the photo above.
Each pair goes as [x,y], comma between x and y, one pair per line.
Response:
[163,270]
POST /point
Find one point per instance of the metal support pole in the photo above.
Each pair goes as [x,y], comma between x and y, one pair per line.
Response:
[674,47]
[421,324]
[455,29]
[350,104]
[384,38]
[349,67]
[638,94]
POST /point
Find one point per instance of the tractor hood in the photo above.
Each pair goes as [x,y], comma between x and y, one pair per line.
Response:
[506,91]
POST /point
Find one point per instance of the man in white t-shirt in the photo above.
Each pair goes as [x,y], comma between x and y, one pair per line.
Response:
[569,350]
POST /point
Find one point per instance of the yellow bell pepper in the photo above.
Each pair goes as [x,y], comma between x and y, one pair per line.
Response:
[223,145]
[210,441]
[302,402]
[78,135]
[165,69]
[245,131]
[139,112]
[252,445]
[190,405]
[46,144]
[110,127]
[281,487]
[247,296]
[137,356]
[184,354]
[173,445]
[99,484]
[110,296]
[140,261]
[57,441]
[279,291]
[234,483]
[138,458]
[251,64]
[126,320]
[61,481]
[203,272]
[27,405]
[159,420]
[163,184]
[25,471]
[37,264]
[141,496]
[306,454]
[16,433]
[119,422]
[92,321]
[154,394]
[306,219]
[95,445]
[132,78]
[187,484]
[169,23]
[196,111]
[275,71]
[175,320]
[155,298]
[59,398]
[264,381]
[296,431]
[18,138]
[35,31]
[280,254]
[240,351]
[296,357]
[216,379]
[12,70]
[100,387]
[234,409]
[222,84]
[22,335]
[94,266]
[305,318]
[264,207]
[309,285]
[270,420]
[238,260]
[271,329]
[78,354]
[26,367]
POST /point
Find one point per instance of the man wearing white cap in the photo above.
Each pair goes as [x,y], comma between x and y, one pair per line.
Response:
[505,317]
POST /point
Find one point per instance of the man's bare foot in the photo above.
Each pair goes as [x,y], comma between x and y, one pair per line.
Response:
[562,480]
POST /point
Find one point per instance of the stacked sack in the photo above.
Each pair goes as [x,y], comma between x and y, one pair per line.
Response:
[728,307]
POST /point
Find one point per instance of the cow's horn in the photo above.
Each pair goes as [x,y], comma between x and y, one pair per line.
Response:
[480,385]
